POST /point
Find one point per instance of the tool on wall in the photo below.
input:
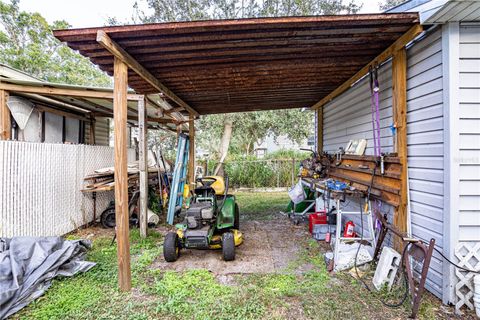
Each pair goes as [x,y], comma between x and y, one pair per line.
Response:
[375,104]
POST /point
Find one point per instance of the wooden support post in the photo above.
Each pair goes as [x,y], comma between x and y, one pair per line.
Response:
[120,74]
[399,81]
[5,121]
[91,133]
[319,114]
[191,151]
[143,167]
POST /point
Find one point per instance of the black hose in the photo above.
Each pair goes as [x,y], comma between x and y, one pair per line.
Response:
[405,295]
[454,264]
[226,193]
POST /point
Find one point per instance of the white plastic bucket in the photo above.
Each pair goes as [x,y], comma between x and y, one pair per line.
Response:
[476,294]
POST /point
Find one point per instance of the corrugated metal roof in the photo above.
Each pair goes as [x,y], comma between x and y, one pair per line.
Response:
[80,106]
[249,64]
[456,11]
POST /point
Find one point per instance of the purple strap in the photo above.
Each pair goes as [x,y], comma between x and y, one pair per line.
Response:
[375,106]
[376,92]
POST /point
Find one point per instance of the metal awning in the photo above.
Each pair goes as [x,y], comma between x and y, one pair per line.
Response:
[225,66]
[87,101]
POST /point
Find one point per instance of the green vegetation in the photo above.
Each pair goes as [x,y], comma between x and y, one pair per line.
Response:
[261,205]
[273,170]
[304,290]
[27,43]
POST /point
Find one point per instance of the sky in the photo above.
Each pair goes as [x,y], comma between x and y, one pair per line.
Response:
[92,13]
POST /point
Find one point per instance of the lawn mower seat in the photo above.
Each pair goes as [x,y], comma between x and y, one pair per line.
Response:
[218,184]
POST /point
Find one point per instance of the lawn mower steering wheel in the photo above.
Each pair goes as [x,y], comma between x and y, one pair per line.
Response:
[206,181]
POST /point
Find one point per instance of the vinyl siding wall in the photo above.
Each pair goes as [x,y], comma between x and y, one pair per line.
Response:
[349,117]
[426,148]
[469,130]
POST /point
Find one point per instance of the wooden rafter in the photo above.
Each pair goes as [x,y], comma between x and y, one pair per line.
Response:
[119,53]
[397,45]
[50,91]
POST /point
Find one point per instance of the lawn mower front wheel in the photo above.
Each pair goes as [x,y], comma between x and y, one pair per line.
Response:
[171,247]
[228,246]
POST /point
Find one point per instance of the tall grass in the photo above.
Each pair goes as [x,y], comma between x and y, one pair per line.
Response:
[260,173]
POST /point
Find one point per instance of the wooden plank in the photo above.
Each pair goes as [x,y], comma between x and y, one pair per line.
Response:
[191,151]
[399,87]
[320,130]
[92,130]
[43,108]
[396,46]
[142,166]
[5,121]
[50,91]
[119,53]
[121,174]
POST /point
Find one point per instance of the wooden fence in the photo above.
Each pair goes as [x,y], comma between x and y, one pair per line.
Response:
[40,187]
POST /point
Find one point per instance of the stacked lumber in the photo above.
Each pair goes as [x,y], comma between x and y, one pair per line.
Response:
[103,179]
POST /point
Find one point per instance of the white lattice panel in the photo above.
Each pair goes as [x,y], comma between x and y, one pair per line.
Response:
[468,255]
[40,187]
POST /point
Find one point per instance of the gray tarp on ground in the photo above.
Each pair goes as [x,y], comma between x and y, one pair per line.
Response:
[28,265]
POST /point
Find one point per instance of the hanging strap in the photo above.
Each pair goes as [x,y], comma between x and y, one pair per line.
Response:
[372,106]
[375,106]
[376,93]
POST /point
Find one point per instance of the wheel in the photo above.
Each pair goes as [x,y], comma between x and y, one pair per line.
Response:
[228,246]
[108,218]
[171,247]
[236,221]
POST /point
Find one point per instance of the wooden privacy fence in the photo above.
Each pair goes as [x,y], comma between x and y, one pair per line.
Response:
[40,187]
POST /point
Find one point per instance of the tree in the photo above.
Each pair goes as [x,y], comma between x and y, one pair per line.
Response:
[27,43]
[190,10]
[388,4]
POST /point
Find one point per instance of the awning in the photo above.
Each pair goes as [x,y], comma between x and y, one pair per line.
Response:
[242,65]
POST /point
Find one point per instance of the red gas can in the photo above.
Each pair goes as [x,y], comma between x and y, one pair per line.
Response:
[319,217]
[348,231]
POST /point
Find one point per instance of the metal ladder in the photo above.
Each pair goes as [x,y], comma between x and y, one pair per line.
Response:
[179,178]
[338,237]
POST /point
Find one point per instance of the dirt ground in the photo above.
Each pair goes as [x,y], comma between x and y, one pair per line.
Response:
[269,246]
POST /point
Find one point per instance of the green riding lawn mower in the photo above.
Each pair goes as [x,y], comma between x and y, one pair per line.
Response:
[211,222]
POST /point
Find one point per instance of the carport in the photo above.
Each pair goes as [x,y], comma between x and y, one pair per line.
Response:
[224,66]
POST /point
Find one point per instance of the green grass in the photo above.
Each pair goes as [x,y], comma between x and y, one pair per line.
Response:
[261,206]
[197,294]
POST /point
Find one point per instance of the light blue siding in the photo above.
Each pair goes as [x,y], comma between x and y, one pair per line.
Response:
[425,147]
[469,130]
[349,117]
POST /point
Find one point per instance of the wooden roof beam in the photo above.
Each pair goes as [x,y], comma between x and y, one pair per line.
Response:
[118,52]
[397,45]
[51,91]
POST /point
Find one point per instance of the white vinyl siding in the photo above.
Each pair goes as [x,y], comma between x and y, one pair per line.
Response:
[349,117]
[469,130]
[426,148]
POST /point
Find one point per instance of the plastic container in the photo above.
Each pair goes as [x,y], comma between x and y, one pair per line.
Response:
[316,218]
[320,231]
[476,294]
